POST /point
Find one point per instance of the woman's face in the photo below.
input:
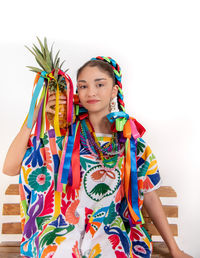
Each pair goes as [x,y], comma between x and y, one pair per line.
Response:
[95,90]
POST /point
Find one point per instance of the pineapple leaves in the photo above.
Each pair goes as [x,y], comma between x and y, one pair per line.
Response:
[47,53]
[44,57]
[41,46]
[37,50]
[35,69]
[43,64]
[57,63]
[56,57]
[66,70]
[56,72]
[62,64]
[51,56]
[30,50]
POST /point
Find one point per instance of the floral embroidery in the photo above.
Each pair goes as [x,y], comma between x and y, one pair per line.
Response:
[39,179]
[100,183]
[141,249]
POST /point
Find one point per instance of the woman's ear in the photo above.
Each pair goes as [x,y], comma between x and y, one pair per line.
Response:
[115,90]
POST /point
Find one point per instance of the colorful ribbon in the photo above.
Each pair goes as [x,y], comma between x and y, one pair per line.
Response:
[68,155]
[34,99]
[40,83]
[131,185]
[120,118]
[70,160]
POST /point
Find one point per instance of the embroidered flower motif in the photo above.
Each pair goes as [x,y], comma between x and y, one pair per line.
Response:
[135,234]
[120,254]
[140,248]
[75,250]
[99,183]
[59,141]
[49,251]
[34,157]
[39,179]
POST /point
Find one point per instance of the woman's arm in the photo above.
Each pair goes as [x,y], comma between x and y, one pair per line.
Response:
[18,147]
[155,210]
[16,152]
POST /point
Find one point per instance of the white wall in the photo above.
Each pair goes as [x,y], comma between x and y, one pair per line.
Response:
[156,43]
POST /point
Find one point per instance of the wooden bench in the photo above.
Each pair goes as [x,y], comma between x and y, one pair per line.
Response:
[12,249]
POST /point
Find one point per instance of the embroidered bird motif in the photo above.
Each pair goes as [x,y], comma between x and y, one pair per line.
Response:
[123,238]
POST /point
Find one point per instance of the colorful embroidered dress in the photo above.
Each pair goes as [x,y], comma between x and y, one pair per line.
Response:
[92,221]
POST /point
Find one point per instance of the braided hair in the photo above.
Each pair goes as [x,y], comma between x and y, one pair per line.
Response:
[109,65]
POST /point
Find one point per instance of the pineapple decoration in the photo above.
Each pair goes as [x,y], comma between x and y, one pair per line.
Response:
[50,79]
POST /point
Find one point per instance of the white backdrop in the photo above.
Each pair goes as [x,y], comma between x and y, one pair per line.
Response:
[156,43]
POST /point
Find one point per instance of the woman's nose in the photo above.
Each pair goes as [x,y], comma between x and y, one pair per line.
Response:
[91,91]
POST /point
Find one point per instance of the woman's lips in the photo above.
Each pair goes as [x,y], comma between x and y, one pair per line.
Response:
[92,101]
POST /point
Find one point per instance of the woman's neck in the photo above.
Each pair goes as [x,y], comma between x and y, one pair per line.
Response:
[100,123]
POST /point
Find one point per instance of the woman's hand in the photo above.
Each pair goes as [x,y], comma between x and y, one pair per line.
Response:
[50,107]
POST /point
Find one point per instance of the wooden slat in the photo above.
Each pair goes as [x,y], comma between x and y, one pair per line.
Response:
[11,228]
[13,189]
[166,191]
[9,249]
[11,209]
[160,249]
[151,229]
[171,211]
[10,255]
[10,243]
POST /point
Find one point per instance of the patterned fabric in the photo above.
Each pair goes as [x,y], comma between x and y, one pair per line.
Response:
[92,221]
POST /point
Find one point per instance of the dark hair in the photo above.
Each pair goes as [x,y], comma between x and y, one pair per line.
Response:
[101,65]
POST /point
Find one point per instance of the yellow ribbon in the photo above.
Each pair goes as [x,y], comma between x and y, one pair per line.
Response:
[56,117]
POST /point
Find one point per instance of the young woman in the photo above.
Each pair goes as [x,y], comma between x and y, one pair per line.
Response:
[118,174]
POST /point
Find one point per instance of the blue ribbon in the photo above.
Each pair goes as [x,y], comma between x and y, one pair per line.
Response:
[113,62]
[121,96]
[114,115]
[120,118]
[68,155]
[134,183]
[34,99]
[118,77]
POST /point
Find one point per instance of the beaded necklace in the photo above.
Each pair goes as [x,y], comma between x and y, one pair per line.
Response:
[107,152]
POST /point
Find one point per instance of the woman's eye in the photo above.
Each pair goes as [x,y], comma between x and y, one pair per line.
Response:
[82,86]
[100,85]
